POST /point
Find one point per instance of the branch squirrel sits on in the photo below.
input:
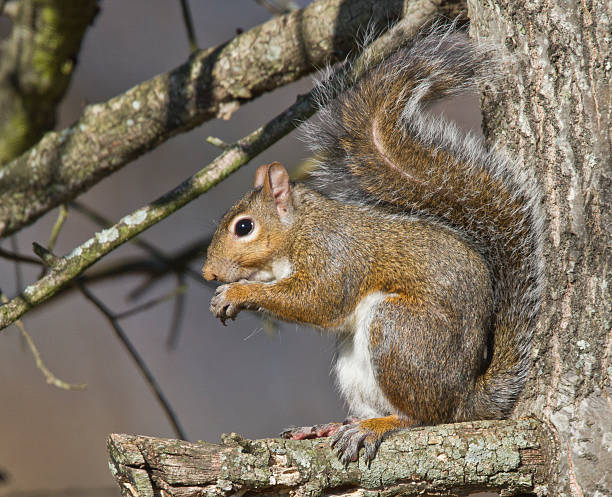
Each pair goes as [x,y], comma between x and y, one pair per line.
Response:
[426,264]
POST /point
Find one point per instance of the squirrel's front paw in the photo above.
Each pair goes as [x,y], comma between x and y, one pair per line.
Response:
[222,305]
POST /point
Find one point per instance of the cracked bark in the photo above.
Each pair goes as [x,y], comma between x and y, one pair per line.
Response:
[554,112]
[446,459]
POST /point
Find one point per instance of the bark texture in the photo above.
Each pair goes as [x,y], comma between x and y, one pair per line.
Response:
[37,62]
[213,82]
[554,112]
[445,460]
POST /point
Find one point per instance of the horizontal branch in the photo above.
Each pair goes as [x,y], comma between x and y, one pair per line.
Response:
[448,459]
[213,82]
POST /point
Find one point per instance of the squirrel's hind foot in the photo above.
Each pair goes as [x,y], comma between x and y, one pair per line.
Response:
[368,433]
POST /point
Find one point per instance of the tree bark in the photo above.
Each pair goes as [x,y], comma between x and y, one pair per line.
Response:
[554,112]
[506,456]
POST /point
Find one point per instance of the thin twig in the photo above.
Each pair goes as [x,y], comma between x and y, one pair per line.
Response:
[153,268]
[13,256]
[18,271]
[187,19]
[142,366]
[51,260]
[151,303]
[61,218]
[59,222]
[217,142]
[49,376]
[177,317]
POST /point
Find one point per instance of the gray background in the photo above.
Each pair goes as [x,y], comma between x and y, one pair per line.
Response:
[218,379]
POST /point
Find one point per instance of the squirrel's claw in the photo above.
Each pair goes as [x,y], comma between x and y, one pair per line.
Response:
[221,307]
[350,438]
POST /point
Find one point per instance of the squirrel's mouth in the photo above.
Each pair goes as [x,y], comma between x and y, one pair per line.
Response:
[261,276]
[276,270]
[231,272]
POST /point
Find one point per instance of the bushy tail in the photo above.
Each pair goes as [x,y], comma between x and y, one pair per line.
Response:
[378,137]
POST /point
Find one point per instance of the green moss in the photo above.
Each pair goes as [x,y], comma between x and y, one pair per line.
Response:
[13,133]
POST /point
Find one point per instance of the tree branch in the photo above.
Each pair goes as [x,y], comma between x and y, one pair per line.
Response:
[228,162]
[48,374]
[188,21]
[213,82]
[445,459]
[138,360]
[37,62]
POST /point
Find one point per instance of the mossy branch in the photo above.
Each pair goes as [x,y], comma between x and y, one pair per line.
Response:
[507,456]
[37,62]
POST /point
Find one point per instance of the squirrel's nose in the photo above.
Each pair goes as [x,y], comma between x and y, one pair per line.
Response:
[208,273]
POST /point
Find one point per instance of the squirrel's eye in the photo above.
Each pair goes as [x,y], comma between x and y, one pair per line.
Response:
[243,226]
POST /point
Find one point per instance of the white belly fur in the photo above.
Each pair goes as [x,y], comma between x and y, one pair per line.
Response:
[353,366]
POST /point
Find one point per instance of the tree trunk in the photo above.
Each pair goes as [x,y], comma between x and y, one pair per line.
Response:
[554,113]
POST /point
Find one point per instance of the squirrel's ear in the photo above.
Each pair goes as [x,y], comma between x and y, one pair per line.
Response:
[261,174]
[277,184]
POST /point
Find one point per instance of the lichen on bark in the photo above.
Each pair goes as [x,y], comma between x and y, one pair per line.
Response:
[446,459]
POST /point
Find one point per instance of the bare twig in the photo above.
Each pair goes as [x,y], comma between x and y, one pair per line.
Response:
[61,218]
[49,376]
[177,317]
[13,256]
[49,258]
[142,366]
[179,290]
[188,20]
[217,142]
[59,222]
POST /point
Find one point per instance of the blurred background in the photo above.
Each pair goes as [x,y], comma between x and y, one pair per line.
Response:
[218,379]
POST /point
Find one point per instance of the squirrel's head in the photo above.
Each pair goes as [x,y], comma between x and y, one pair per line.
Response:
[249,240]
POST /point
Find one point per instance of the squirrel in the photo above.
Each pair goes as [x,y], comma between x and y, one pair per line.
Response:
[426,263]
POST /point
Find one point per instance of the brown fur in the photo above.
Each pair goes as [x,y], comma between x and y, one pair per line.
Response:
[446,232]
